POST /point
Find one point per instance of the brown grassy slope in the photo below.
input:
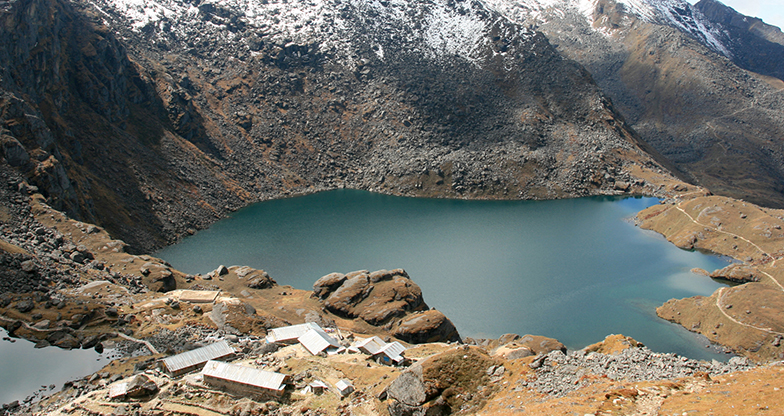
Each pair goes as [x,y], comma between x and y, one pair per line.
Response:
[748,318]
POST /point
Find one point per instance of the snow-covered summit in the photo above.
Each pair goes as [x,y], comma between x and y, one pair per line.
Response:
[675,13]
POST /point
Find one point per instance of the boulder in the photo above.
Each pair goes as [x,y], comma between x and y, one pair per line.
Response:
[260,280]
[353,290]
[25,306]
[90,341]
[42,324]
[29,266]
[328,284]
[382,275]
[67,341]
[158,277]
[391,298]
[429,326]
[77,257]
[141,386]
[242,271]
[401,409]
[409,387]
[375,297]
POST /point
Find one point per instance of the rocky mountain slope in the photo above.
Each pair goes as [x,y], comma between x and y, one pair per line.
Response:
[156,119]
[694,82]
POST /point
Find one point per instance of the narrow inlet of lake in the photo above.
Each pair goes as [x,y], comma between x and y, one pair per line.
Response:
[576,270]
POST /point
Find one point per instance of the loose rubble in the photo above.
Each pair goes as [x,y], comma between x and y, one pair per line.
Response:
[558,374]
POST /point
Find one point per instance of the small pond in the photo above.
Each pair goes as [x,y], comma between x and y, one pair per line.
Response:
[26,370]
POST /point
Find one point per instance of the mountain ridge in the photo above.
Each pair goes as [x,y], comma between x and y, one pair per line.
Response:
[226,114]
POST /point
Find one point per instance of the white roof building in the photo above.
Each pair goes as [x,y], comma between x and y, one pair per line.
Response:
[370,345]
[344,387]
[244,380]
[316,341]
[387,353]
[193,359]
[316,387]
[290,333]
[392,353]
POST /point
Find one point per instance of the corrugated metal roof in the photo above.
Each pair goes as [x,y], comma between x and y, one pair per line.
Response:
[198,356]
[394,351]
[245,375]
[316,340]
[290,333]
[370,345]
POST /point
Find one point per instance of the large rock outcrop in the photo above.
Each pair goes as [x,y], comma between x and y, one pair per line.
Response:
[384,298]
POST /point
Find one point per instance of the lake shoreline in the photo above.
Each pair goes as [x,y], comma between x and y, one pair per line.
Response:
[129,288]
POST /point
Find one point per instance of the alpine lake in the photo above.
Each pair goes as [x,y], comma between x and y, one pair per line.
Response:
[576,269]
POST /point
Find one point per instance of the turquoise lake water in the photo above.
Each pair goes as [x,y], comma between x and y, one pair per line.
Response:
[575,270]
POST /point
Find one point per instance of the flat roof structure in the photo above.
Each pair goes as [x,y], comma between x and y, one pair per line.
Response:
[192,360]
[198,296]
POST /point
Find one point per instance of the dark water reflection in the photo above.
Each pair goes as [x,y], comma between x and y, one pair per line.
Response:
[26,369]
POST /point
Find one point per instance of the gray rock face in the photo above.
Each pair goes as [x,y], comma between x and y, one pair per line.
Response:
[728,108]
[754,45]
[407,393]
[13,151]
[328,284]
[408,388]
[141,386]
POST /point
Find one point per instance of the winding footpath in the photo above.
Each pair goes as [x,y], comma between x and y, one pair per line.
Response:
[721,291]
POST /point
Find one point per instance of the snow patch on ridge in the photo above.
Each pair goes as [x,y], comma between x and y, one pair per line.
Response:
[437,27]
[676,13]
[455,34]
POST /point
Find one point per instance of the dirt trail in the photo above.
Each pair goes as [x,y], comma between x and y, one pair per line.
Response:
[720,295]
